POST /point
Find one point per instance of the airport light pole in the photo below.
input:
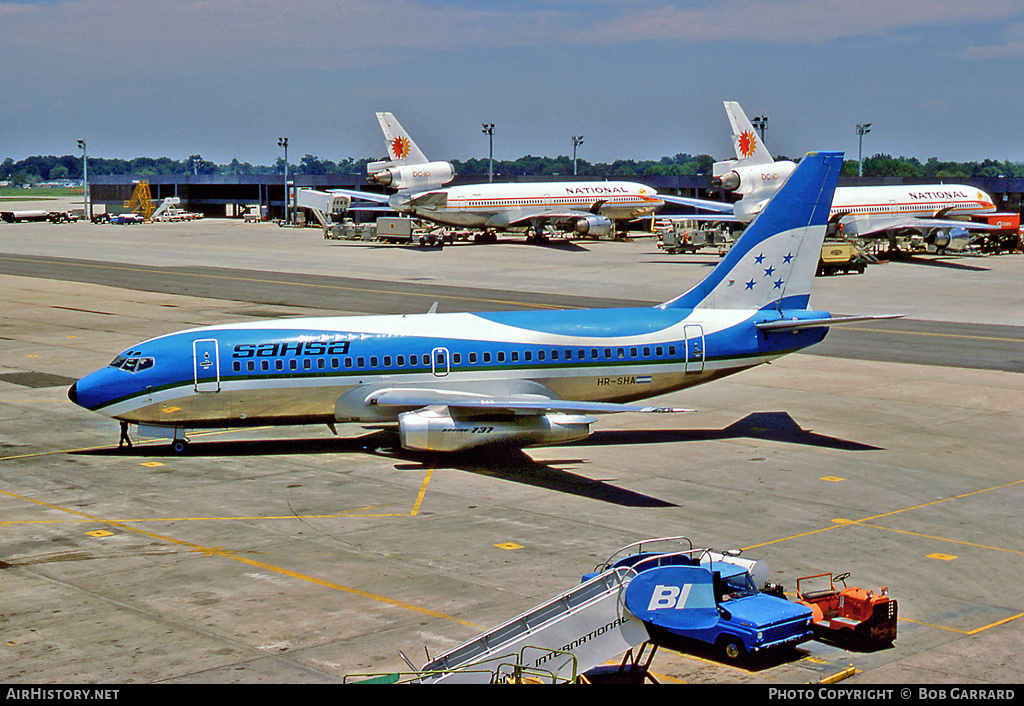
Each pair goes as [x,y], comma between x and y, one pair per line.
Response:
[489,131]
[85,182]
[760,123]
[861,131]
[577,140]
[283,142]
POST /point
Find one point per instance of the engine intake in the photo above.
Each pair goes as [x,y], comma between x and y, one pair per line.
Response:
[754,179]
[595,226]
[414,176]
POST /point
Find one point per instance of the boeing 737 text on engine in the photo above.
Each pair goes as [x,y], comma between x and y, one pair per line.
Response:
[455,381]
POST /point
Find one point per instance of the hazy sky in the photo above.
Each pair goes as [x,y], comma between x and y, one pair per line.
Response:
[638,79]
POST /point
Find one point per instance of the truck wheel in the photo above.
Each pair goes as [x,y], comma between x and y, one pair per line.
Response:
[731,648]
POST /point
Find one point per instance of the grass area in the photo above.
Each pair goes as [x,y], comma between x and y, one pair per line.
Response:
[15,194]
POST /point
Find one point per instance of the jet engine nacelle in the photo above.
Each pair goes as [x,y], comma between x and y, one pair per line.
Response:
[594,225]
[415,176]
[952,239]
[430,430]
[754,179]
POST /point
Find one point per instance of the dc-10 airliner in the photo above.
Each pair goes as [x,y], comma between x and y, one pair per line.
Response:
[590,208]
[861,211]
[455,381]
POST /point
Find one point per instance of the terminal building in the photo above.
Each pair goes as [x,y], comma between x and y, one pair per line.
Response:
[233,195]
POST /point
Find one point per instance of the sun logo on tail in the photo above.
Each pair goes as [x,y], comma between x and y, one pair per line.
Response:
[400,147]
[747,143]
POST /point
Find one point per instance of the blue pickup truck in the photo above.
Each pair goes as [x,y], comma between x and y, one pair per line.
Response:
[711,598]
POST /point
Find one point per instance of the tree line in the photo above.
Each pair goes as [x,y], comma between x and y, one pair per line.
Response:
[39,169]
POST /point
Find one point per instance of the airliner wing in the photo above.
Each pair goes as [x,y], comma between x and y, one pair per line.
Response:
[703,204]
[710,217]
[414,398]
[863,225]
[523,216]
[364,195]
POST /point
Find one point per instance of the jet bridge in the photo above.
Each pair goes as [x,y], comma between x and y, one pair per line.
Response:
[324,205]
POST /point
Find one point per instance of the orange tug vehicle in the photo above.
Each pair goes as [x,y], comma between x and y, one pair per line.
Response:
[851,617]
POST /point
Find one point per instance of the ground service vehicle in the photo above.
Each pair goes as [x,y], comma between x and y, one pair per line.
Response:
[850,617]
[841,256]
[714,599]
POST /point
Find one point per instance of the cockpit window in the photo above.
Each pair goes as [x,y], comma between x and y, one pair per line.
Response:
[132,364]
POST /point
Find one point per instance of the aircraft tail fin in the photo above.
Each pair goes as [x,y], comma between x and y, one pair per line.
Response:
[749,146]
[773,263]
[401,148]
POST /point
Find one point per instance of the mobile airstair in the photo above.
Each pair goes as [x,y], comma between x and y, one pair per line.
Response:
[553,643]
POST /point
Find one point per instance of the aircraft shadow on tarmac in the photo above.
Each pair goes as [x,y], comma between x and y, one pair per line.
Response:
[557,244]
[709,264]
[504,463]
[507,463]
[935,262]
[769,426]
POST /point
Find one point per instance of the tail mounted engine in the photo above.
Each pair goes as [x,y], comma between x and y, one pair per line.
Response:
[413,176]
[755,179]
[436,430]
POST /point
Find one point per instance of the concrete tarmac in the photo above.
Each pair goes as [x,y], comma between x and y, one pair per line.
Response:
[288,555]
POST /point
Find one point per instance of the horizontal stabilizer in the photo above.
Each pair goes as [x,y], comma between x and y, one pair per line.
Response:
[796,324]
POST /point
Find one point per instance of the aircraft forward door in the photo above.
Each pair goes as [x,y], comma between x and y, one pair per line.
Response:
[206,365]
[439,362]
[693,335]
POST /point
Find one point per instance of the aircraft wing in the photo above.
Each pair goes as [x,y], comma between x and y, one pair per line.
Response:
[703,204]
[415,398]
[710,217]
[523,216]
[864,225]
[364,195]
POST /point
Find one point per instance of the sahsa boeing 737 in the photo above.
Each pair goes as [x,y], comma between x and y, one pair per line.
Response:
[452,381]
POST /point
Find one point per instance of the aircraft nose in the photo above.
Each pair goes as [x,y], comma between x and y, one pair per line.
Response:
[73,393]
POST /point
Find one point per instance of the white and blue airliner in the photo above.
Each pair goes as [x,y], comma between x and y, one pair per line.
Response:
[457,381]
